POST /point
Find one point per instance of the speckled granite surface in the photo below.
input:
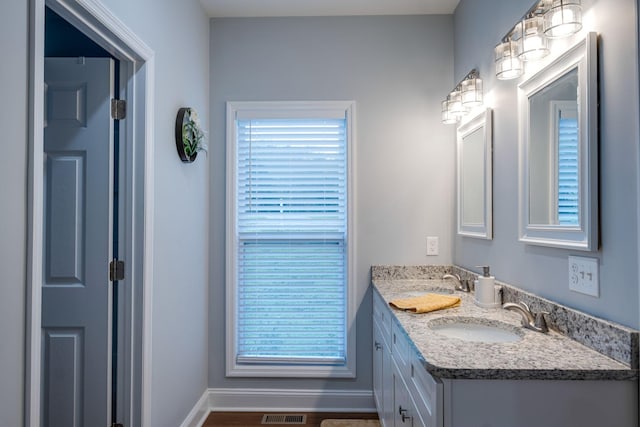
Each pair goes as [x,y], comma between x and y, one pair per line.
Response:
[536,356]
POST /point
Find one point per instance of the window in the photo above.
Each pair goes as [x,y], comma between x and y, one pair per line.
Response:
[289,240]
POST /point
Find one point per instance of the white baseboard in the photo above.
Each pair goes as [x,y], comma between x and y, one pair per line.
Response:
[254,400]
[199,413]
[278,400]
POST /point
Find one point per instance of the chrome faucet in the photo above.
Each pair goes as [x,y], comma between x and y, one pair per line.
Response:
[535,322]
[461,285]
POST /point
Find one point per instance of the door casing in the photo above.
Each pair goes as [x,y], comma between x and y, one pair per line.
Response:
[137,82]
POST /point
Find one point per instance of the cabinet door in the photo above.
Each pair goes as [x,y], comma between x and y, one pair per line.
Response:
[403,406]
[426,392]
[387,418]
[407,412]
[382,377]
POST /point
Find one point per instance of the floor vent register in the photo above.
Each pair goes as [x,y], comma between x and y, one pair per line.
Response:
[290,419]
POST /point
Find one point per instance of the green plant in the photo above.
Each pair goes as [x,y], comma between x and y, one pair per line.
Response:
[192,134]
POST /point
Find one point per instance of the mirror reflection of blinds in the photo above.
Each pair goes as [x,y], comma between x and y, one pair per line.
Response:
[291,225]
[568,189]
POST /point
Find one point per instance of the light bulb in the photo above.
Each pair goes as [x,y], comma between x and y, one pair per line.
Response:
[534,43]
[561,16]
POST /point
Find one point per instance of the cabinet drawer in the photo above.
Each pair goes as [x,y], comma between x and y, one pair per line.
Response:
[400,348]
[382,315]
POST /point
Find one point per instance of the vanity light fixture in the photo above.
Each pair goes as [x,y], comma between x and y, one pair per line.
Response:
[465,96]
[562,18]
[528,40]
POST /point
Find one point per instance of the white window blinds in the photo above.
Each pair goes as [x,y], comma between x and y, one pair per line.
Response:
[291,228]
[568,187]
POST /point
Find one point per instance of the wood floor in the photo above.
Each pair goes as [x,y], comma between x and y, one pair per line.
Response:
[250,419]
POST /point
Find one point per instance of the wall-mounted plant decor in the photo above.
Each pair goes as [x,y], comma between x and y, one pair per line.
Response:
[189,135]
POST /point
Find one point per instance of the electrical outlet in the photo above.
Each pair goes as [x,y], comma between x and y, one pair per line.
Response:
[583,275]
[433,247]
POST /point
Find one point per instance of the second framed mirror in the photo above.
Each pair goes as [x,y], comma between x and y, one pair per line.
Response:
[474,180]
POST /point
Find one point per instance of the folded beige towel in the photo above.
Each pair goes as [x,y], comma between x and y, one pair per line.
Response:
[426,303]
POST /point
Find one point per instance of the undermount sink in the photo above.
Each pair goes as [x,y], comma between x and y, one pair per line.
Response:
[475,330]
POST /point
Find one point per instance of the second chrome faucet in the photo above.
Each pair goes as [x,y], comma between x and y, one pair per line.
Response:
[535,322]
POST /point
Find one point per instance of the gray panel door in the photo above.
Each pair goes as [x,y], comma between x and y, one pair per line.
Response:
[76,304]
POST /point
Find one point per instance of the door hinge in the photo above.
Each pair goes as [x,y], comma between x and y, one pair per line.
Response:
[116,270]
[118,109]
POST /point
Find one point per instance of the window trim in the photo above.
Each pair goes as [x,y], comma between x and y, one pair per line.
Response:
[296,109]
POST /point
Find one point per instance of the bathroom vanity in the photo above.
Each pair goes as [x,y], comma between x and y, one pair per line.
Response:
[431,370]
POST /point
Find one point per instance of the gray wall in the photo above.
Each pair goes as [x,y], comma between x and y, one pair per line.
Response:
[397,69]
[178,32]
[479,26]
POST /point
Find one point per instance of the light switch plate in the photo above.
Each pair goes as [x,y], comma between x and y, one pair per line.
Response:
[584,275]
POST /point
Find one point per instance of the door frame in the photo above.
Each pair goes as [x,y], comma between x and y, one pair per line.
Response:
[137,72]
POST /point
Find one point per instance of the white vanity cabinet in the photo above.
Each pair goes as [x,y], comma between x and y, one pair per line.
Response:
[407,395]
[404,392]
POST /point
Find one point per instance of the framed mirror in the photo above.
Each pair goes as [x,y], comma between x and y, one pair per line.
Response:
[558,191]
[474,179]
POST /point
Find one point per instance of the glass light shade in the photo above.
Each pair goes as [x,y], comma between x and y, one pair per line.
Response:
[455,104]
[508,65]
[447,117]
[530,39]
[471,92]
[563,18]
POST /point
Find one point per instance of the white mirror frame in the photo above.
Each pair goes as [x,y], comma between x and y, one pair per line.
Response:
[472,123]
[584,236]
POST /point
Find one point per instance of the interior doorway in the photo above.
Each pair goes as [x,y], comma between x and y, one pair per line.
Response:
[121,227]
[79,299]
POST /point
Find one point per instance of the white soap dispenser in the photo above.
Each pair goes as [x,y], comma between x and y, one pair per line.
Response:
[487,293]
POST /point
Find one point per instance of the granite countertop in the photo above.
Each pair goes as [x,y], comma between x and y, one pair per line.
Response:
[537,356]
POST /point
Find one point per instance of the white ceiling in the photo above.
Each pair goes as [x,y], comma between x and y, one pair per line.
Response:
[255,8]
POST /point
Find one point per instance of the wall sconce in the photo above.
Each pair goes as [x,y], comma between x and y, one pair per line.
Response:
[465,96]
[528,39]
